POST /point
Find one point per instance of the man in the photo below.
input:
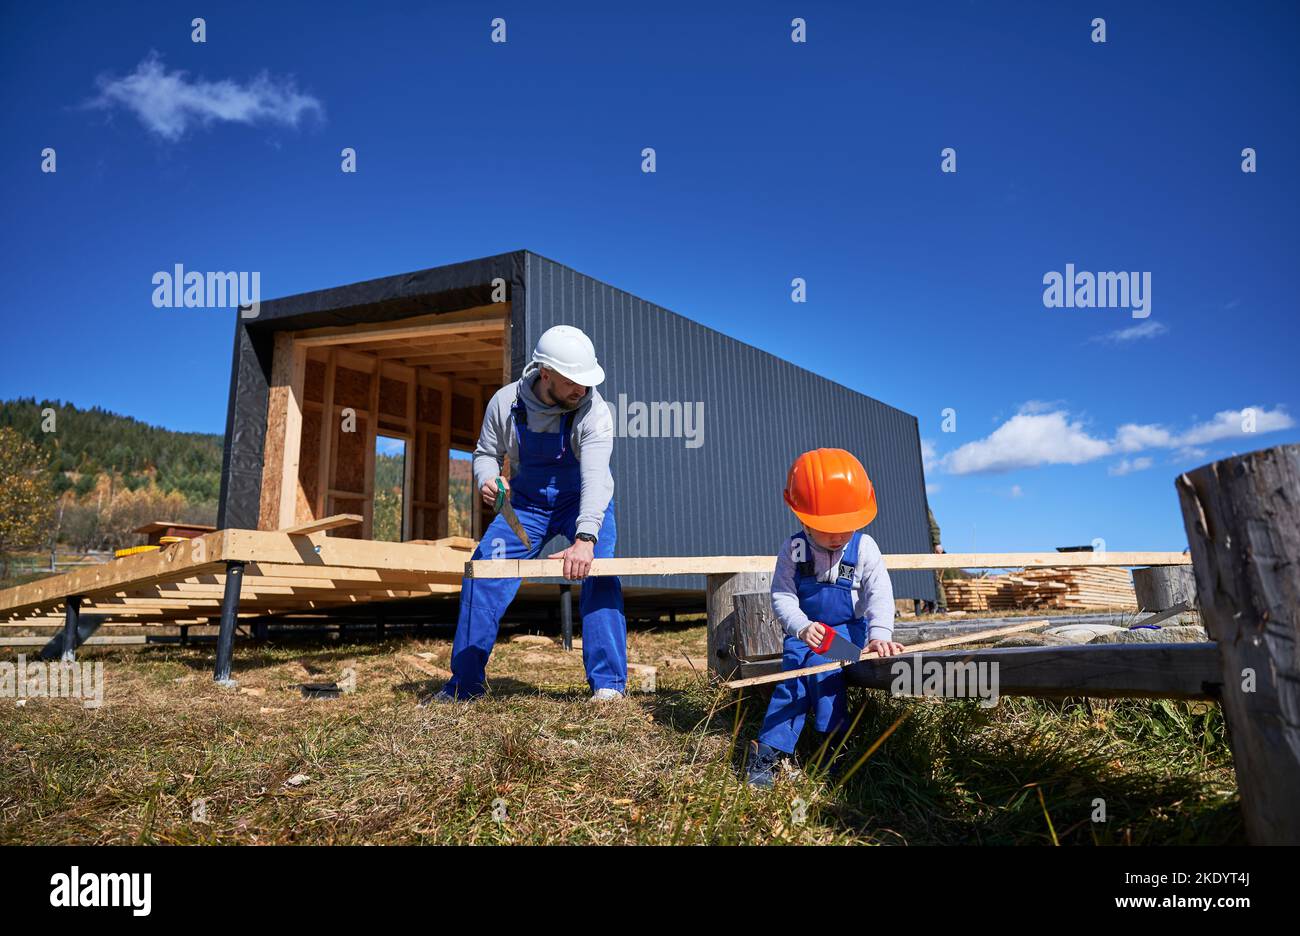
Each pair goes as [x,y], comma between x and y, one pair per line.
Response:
[558,434]
[936,544]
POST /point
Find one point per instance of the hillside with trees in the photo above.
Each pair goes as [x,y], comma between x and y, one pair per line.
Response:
[96,475]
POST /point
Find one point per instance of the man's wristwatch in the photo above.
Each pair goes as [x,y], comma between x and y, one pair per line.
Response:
[586,537]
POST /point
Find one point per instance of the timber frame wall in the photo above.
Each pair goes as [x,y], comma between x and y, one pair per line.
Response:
[425,380]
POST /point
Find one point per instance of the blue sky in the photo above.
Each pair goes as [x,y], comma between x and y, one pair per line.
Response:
[775,160]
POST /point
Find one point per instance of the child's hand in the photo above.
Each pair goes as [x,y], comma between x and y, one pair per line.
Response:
[885,647]
[814,634]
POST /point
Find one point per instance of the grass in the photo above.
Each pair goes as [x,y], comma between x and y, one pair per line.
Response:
[171,758]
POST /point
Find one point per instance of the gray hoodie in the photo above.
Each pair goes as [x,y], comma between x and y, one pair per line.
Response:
[592,441]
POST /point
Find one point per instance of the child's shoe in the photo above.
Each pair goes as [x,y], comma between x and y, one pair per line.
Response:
[763,759]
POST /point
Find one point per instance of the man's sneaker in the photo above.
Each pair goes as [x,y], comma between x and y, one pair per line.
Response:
[763,759]
[441,697]
[606,695]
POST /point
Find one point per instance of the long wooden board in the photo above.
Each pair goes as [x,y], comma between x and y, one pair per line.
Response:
[719,565]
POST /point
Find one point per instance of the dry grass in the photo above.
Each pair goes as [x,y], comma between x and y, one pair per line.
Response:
[536,763]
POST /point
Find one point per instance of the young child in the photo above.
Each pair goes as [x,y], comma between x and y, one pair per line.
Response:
[829,575]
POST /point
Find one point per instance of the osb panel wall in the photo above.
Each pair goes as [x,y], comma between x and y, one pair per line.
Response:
[350,459]
[352,388]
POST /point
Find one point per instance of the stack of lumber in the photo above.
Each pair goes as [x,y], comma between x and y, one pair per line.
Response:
[1098,587]
[1031,589]
[992,593]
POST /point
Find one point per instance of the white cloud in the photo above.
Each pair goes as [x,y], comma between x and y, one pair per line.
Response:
[933,488]
[1027,440]
[169,103]
[1131,437]
[1232,424]
[1125,466]
[1148,329]
[929,459]
[1015,491]
[1033,438]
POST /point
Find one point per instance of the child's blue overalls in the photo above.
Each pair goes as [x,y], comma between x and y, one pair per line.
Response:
[545,492]
[831,603]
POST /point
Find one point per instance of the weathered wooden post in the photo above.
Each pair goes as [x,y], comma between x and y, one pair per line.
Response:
[1242,517]
[758,633]
[1159,588]
[721,589]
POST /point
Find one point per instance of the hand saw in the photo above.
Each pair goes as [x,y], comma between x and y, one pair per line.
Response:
[503,507]
[835,647]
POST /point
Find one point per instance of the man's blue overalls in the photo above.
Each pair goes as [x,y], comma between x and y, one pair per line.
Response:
[545,493]
[831,603]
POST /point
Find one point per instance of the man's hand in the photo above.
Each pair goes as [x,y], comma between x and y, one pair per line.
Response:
[885,647]
[938,548]
[814,634]
[577,559]
[489,491]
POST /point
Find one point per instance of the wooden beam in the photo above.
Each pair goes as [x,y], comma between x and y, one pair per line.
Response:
[1242,517]
[481,320]
[715,565]
[283,434]
[1108,671]
[291,483]
[325,523]
[328,426]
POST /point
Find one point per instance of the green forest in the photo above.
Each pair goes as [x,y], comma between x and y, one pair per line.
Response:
[88,477]
[74,481]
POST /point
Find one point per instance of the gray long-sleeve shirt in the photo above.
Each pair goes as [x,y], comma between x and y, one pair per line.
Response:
[592,441]
[873,593]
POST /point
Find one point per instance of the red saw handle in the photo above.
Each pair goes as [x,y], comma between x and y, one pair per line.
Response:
[828,638]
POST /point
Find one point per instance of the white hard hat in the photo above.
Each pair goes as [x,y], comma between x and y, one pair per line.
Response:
[569,352]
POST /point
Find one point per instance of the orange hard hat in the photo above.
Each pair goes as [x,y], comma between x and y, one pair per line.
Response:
[829,490]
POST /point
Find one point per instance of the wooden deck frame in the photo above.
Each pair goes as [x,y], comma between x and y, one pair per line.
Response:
[282,570]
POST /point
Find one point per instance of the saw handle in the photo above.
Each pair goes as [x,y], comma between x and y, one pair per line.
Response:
[828,638]
[501,496]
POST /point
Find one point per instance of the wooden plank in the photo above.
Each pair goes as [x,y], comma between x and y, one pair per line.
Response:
[1242,517]
[273,448]
[329,425]
[716,565]
[325,523]
[372,434]
[177,560]
[291,492]
[319,550]
[480,320]
[977,637]
[1108,671]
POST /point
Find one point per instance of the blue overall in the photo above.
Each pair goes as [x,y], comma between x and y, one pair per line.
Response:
[831,603]
[545,492]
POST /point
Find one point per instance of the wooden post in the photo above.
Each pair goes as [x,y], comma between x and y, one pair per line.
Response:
[758,633]
[721,588]
[1160,588]
[1242,517]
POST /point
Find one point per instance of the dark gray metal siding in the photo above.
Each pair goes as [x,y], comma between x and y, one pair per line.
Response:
[760,412]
